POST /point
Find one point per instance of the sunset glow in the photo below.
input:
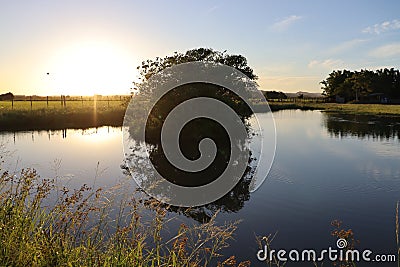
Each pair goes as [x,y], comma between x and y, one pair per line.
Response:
[90,68]
[94,47]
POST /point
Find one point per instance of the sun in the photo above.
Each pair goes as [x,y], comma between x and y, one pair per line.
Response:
[91,68]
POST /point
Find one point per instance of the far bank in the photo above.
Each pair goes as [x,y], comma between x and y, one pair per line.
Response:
[81,116]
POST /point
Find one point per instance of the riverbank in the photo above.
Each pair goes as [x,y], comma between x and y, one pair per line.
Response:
[359,109]
[81,115]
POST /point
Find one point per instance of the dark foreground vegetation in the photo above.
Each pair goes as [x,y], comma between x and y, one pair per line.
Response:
[44,225]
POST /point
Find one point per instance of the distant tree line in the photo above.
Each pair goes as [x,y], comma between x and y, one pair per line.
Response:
[6,96]
[274,95]
[359,85]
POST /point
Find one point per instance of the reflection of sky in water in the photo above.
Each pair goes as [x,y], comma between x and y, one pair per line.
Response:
[73,157]
[316,178]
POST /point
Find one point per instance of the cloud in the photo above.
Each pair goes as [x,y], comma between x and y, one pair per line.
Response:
[212,9]
[327,63]
[347,45]
[285,23]
[383,27]
[389,50]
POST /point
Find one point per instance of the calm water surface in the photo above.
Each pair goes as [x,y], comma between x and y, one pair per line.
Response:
[326,167]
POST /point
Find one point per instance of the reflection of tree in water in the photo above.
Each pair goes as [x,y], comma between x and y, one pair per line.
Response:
[233,201]
[193,132]
[362,126]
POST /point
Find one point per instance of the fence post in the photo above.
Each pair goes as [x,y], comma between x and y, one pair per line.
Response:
[82,100]
[61,100]
[108,101]
[12,103]
[65,102]
[47,101]
[30,98]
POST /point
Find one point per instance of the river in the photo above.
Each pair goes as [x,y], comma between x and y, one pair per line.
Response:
[326,167]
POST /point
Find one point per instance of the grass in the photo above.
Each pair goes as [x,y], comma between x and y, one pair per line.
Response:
[76,114]
[79,229]
[56,105]
[359,109]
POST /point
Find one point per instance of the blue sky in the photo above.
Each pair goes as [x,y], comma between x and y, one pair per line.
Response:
[94,46]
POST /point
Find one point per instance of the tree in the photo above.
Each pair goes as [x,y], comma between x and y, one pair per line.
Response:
[355,85]
[274,95]
[336,84]
[361,83]
[195,130]
[150,67]
[7,96]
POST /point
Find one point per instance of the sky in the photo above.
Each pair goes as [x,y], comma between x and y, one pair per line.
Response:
[93,47]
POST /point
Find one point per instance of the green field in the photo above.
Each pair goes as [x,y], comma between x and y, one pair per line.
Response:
[38,115]
[71,105]
[361,109]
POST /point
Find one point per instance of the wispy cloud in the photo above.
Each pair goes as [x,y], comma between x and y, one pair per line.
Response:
[327,63]
[385,51]
[348,45]
[383,27]
[212,9]
[285,23]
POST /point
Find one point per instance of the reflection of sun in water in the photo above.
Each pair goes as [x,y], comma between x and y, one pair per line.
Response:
[91,68]
[99,135]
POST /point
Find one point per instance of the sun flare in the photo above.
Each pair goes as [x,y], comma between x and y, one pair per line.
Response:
[91,68]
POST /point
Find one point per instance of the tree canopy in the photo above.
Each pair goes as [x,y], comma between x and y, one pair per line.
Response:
[239,62]
[274,95]
[354,85]
[187,91]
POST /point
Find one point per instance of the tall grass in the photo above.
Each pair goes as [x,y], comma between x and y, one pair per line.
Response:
[84,227]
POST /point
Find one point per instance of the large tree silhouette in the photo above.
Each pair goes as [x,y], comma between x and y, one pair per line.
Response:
[196,130]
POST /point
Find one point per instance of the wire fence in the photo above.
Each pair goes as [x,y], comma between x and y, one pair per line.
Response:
[35,102]
[300,100]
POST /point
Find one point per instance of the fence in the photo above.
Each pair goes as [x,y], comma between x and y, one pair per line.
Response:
[63,101]
[300,100]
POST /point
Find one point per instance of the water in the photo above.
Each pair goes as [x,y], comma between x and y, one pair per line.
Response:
[74,156]
[327,167]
